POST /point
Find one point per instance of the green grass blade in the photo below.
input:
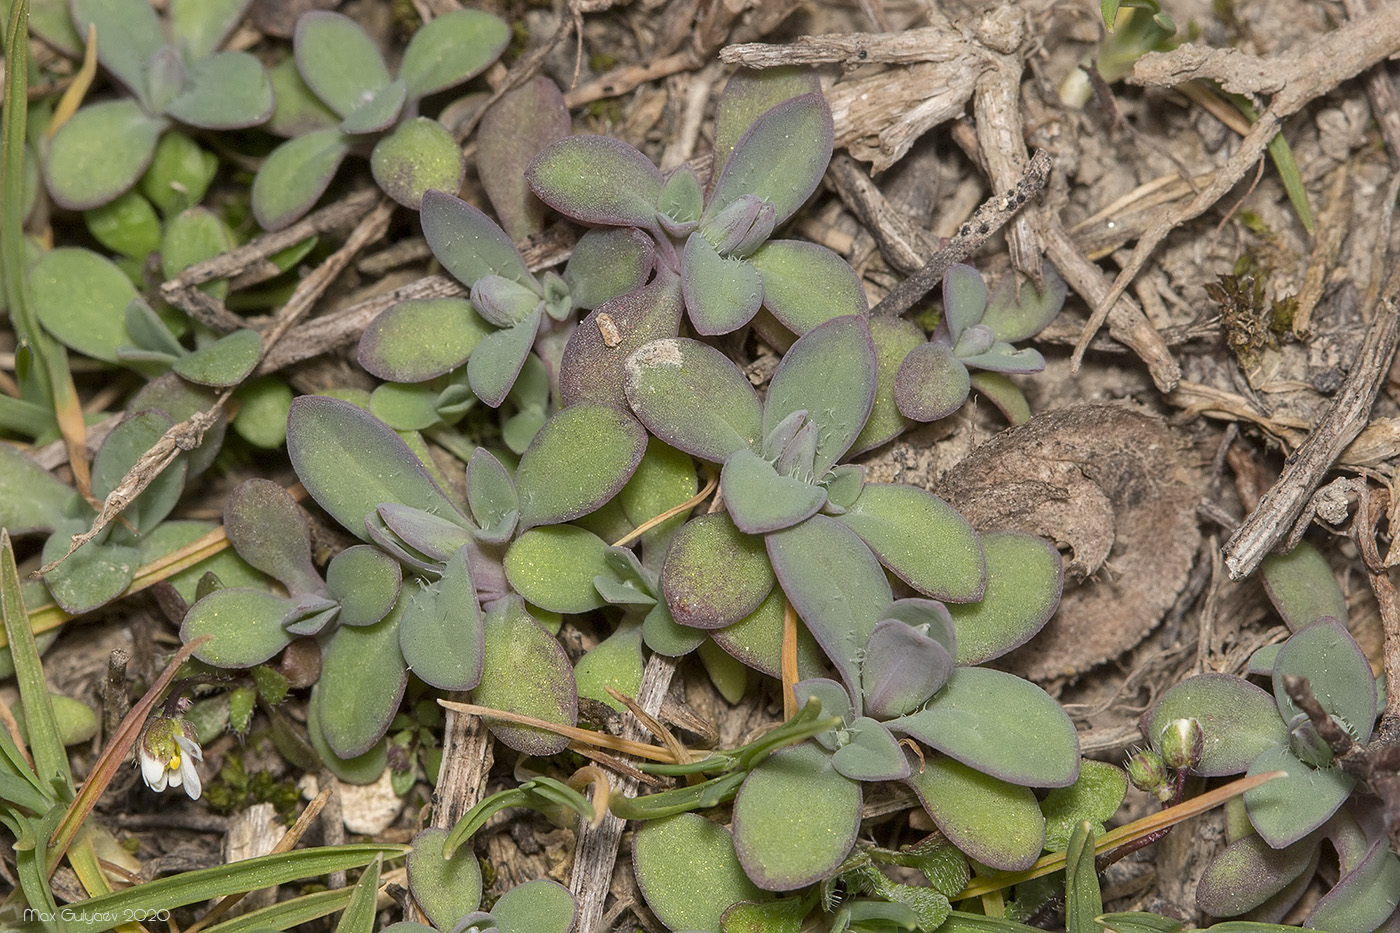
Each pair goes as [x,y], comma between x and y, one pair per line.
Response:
[1083,898]
[44,742]
[359,913]
[287,914]
[102,913]
[1282,157]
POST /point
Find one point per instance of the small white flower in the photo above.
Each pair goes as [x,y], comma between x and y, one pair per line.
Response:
[167,752]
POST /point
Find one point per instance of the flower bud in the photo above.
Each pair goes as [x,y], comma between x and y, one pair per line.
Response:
[1182,744]
[1148,772]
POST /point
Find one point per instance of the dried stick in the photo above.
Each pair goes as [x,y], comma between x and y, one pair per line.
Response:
[1294,79]
[990,217]
[903,244]
[1385,101]
[466,761]
[596,851]
[1343,420]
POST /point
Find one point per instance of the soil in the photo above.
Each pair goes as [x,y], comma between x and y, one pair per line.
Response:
[1142,460]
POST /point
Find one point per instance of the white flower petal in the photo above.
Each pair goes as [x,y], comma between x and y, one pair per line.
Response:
[191,778]
[153,772]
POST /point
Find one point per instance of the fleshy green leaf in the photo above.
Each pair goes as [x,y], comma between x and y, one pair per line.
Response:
[338,60]
[194,235]
[365,581]
[31,498]
[964,299]
[1362,898]
[446,889]
[246,625]
[606,263]
[691,396]
[351,462]
[806,284]
[1025,577]
[931,382]
[835,584]
[179,174]
[496,361]
[615,662]
[553,567]
[362,681]
[1302,587]
[128,225]
[93,575]
[714,575]
[1287,808]
[597,180]
[227,92]
[751,93]
[580,459]
[137,433]
[296,110]
[781,846]
[525,671]
[922,539]
[417,156]
[1000,725]
[829,373]
[781,157]
[722,294]
[100,153]
[902,668]
[180,399]
[997,823]
[1247,874]
[761,500]
[1239,720]
[225,362]
[539,906]
[1338,675]
[510,134]
[894,338]
[267,530]
[451,48]
[491,496]
[201,26]
[421,338]
[467,242]
[440,634]
[80,297]
[1014,317]
[595,359]
[1095,795]
[295,175]
[1004,394]
[677,857]
[871,754]
[756,640]
[129,36]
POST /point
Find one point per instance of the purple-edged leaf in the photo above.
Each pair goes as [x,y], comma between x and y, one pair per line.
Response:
[246,626]
[393,347]
[996,823]
[1288,808]
[756,640]
[781,157]
[467,242]
[351,463]
[751,93]
[805,284]
[450,49]
[227,92]
[593,367]
[1364,898]
[525,671]
[100,153]
[964,299]
[1000,725]
[894,338]
[1338,675]
[922,539]
[830,373]
[296,111]
[554,567]
[931,382]
[1004,394]
[1004,358]
[201,26]
[502,301]
[903,667]
[678,856]
[431,535]
[81,298]
[1025,578]
[871,754]
[761,500]
[580,459]
[617,661]
[1012,317]
[511,133]
[93,575]
[597,180]
[835,584]
[165,76]
[663,635]
[1247,874]
[608,262]
[446,889]
[1239,720]
[495,362]
[741,227]
[440,633]
[783,846]
[692,397]
[295,175]
[122,449]
[365,582]
[796,457]
[377,112]
[419,156]
[362,681]
[663,480]
[224,362]
[267,529]
[929,617]
[1302,587]
[338,60]
[721,294]
[834,700]
[129,35]
[681,203]
[491,496]
[714,575]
